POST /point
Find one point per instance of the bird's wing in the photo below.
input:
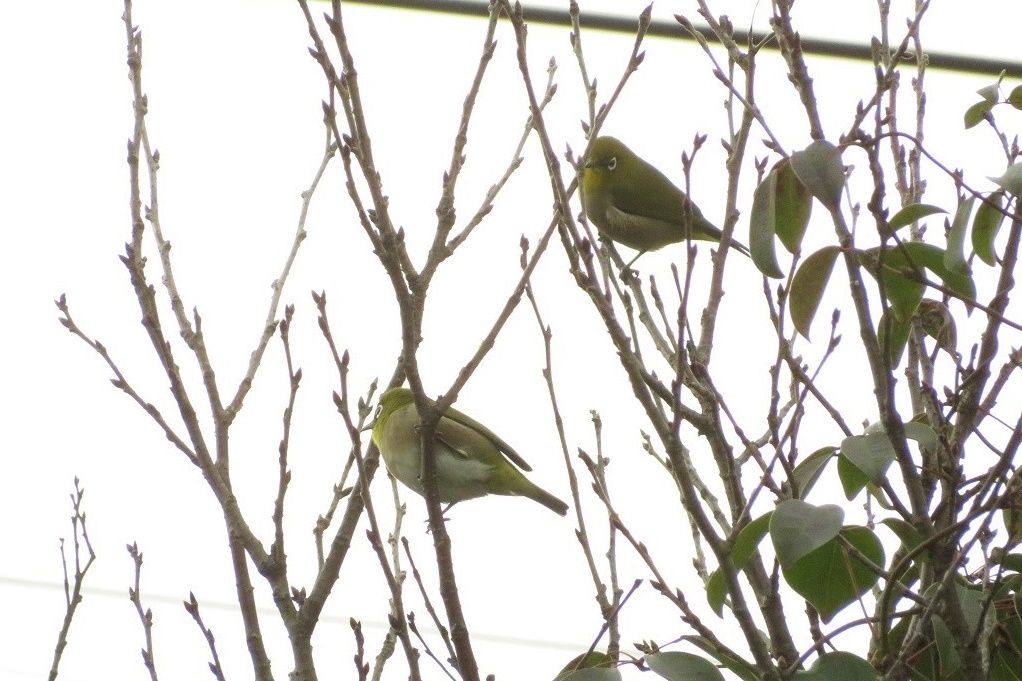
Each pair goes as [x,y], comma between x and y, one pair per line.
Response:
[667,205]
[451,431]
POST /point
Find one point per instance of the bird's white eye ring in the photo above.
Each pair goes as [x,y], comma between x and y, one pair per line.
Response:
[612,163]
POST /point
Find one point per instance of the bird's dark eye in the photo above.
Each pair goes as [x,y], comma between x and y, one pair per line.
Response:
[612,163]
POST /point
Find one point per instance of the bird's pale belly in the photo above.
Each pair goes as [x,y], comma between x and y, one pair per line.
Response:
[457,477]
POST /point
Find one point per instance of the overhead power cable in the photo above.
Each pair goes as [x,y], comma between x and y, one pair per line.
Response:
[661,28]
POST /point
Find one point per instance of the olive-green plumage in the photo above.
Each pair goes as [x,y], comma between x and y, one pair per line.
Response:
[471,460]
[634,204]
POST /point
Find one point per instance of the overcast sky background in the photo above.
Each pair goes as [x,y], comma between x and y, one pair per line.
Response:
[235,112]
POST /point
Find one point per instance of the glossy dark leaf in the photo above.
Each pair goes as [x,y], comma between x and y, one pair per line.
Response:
[871,454]
[678,666]
[830,577]
[839,666]
[977,113]
[911,213]
[761,228]
[798,528]
[892,333]
[793,205]
[984,228]
[808,285]
[808,471]
[1011,180]
[819,168]
[954,256]
[745,545]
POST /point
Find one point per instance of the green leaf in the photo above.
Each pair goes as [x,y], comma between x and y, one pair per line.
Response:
[911,213]
[977,113]
[935,319]
[830,577]
[761,227]
[839,666]
[677,666]
[991,93]
[902,292]
[892,333]
[808,471]
[744,670]
[871,454]
[909,535]
[853,480]
[590,675]
[921,433]
[897,274]
[744,547]
[1011,180]
[808,285]
[1015,98]
[1011,561]
[592,666]
[798,528]
[819,168]
[984,227]
[954,256]
[793,205]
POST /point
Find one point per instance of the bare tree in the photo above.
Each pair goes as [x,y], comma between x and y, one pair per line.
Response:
[938,477]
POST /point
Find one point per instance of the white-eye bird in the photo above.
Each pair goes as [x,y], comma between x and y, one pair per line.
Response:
[634,204]
[471,460]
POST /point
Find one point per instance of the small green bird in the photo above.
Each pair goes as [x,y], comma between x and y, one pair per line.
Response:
[471,461]
[634,204]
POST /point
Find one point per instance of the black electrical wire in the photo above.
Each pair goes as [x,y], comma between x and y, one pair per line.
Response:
[670,29]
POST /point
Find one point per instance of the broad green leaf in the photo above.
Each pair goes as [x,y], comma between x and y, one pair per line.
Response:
[892,333]
[839,666]
[595,674]
[897,274]
[911,213]
[761,227]
[793,205]
[992,92]
[808,471]
[921,433]
[744,547]
[798,528]
[1015,98]
[902,292]
[593,666]
[853,480]
[808,285]
[924,664]
[954,256]
[1011,561]
[819,168]
[677,666]
[985,226]
[977,113]
[830,577]
[909,535]
[744,670]
[1011,180]
[871,454]
[935,320]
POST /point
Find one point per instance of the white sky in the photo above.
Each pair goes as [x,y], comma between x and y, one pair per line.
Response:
[235,113]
